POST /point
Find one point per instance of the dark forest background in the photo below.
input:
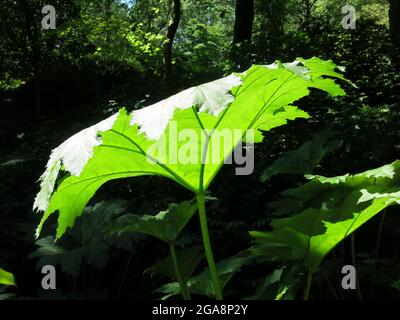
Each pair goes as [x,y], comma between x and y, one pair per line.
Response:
[108,54]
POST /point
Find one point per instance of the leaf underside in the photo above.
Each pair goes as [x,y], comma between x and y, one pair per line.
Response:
[262,101]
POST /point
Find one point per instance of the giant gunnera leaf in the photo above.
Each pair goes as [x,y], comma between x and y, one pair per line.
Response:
[325,211]
[150,141]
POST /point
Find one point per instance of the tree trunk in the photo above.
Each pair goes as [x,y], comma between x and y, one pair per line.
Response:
[244,17]
[171,32]
[394,18]
[242,33]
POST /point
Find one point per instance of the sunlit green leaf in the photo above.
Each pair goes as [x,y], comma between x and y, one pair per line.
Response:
[325,211]
[6,278]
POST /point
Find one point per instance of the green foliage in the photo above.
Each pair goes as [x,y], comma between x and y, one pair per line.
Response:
[87,242]
[153,14]
[10,83]
[6,278]
[368,9]
[204,37]
[281,284]
[201,283]
[306,158]
[396,285]
[104,34]
[165,226]
[325,211]
[115,38]
[188,259]
[206,53]
[69,260]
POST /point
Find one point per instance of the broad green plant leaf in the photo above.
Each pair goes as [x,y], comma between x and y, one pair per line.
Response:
[6,278]
[304,159]
[207,122]
[165,226]
[270,280]
[325,211]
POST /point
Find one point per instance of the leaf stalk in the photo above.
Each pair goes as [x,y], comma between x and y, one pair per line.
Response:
[182,282]
[308,285]
[207,246]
